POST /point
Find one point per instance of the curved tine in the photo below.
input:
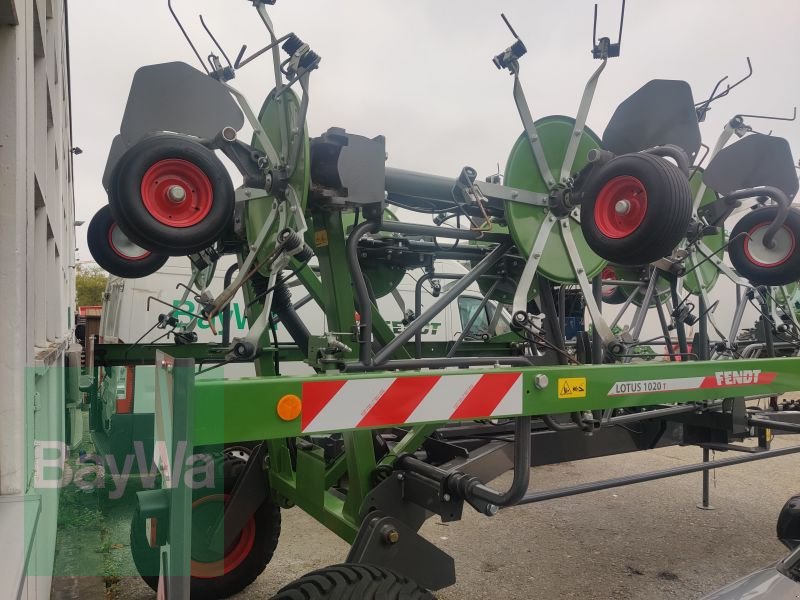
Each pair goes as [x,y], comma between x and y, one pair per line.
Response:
[745,78]
[186,35]
[701,108]
[216,43]
[742,80]
[711,97]
[770,117]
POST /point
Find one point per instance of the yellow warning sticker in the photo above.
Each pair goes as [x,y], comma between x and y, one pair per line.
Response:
[320,238]
[572,387]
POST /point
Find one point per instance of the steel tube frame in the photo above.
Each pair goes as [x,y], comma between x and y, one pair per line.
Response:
[596,486]
[446,298]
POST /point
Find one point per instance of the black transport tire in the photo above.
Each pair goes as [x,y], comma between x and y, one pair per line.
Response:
[758,263]
[141,201]
[658,204]
[267,528]
[353,582]
[788,527]
[115,252]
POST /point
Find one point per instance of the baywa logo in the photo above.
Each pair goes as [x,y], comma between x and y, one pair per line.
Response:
[53,470]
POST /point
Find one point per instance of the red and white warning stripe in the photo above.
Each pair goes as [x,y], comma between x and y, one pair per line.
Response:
[719,380]
[346,404]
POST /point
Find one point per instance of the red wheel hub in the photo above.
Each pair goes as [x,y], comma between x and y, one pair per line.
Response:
[177,192]
[758,254]
[123,247]
[235,555]
[620,207]
[608,274]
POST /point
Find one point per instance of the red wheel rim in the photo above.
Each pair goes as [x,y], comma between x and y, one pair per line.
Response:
[235,556]
[123,247]
[620,207]
[761,256]
[608,274]
[177,192]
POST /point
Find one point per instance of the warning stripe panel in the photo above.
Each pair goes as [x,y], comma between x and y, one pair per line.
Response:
[484,397]
[399,401]
[316,394]
[376,402]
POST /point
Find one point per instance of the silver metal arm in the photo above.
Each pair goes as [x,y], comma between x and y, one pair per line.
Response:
[530,129]
[580,121]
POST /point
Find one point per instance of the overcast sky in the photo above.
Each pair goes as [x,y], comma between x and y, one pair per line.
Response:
[420,71]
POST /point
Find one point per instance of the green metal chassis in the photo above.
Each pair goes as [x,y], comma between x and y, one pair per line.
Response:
[216,413]
[205,414]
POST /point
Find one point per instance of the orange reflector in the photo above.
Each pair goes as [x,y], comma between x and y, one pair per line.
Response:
[289,407]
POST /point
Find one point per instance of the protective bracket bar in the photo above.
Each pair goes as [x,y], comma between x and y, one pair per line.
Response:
[531,133]
[520,304]
[580,121]
[600,325]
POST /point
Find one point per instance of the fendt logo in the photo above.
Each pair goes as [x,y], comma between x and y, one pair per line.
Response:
[744,377]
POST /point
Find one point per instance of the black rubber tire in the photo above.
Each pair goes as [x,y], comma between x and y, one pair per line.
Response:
[788,526]
[782,274]
[99,239]
[353,582]
[268,530]
[129,210]
[666,218]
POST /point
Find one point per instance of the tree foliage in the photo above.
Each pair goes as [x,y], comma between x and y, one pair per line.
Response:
[90,283]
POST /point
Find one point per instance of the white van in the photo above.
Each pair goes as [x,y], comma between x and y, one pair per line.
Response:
[122,409]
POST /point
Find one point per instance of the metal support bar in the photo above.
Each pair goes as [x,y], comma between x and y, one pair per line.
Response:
[472,319]
[418,303]
[530,130]
[440,363]
[603,329]
[520,302]
[580,121]
[584,488]
[462,284]
[779,425]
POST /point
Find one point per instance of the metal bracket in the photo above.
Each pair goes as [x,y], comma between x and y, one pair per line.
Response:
[580,119]
[600,325]
[388,542]
[520,304]
[530,129]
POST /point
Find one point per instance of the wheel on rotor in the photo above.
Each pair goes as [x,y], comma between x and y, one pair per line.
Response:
[612,294]
[215,574]
[172,195]
[779,265]
[115,252]
[353,582]
[637,210]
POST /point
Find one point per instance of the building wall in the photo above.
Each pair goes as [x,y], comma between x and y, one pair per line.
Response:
[37,242]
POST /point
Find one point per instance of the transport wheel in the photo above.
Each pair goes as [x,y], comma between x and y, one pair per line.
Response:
[115,252]
[761,265]
[170,194]
[353,582]
[638,209]
[612,294]
[789,523]
[215,576]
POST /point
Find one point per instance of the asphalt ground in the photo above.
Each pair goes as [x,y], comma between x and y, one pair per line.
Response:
[647,541]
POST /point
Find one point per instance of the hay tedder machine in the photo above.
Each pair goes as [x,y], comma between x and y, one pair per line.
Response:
[392,429]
